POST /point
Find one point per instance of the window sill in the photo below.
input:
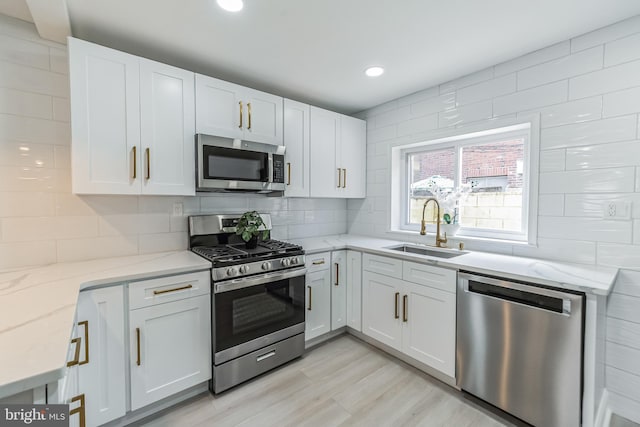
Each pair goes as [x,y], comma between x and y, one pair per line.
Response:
[471,242]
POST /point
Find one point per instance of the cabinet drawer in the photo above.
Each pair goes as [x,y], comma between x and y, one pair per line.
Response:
[382,265]
[165,289]
[428,275]
[317,262]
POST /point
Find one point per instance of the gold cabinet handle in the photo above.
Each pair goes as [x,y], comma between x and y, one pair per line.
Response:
[405,313]
[85,323]
[318,262]
[80,410]
[240,125]
[289,173]
[397,311]
[339,177]
[76,357]
[310,295]
[344,180]
[138,345]
[147,153]
[166,291]
[135,162]
[249,111]
[337,274]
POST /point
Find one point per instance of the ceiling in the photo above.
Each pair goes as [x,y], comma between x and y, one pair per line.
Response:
[316,51]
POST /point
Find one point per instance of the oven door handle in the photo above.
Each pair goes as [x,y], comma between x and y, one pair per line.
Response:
[231,285]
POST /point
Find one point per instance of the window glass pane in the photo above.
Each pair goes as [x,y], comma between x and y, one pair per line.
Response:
[428,167]
[495,171]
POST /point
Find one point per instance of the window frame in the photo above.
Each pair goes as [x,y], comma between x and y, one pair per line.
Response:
[528,130]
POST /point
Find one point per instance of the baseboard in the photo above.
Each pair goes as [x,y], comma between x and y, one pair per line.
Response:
[322,338]
[603,416]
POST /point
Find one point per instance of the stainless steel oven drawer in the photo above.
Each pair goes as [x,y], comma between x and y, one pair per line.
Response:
[248,366]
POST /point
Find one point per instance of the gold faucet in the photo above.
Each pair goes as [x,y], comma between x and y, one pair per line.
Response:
[423,223]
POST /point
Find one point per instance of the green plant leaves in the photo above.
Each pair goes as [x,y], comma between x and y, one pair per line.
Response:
[249,225]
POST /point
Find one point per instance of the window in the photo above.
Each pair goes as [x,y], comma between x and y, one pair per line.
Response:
[493,169]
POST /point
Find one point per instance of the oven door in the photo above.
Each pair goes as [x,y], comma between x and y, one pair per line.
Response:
[251,313]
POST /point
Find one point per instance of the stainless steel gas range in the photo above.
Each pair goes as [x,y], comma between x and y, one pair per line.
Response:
[257,299]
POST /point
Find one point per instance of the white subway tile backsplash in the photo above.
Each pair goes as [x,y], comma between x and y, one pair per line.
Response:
[29,79]
[315,216]
[30,129]
[467,80]
[621,102]
[622,50]
[15,178]
[487,90]
[592,205]
[25,103]
[551,205]
[433,105]
[417,125]
[617,255]
[562,68]
[623,332]
[607,80]
[23,52]
[392,117]
[19,204]
[618,180]
[569,228]
[538,57]
[623,357]
[465,114]
[418,96]
[26,154]
[61,110]
[222,204]
[582,252]
[22,254]
[48,228]
[628,283]
[132,224]
[382,134]
[541,96]
[97,247]
[603,35]
[552,160]
[151,243]
[582,110]
[288,217]
[62,157]
[59,60]
[622,128]
[604,156]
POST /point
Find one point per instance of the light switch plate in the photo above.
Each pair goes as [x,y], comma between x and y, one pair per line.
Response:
[177,209]
[616,209]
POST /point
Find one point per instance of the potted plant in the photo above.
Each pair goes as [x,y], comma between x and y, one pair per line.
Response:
[248,228]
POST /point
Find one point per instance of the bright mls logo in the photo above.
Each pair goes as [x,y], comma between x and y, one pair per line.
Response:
[34,415]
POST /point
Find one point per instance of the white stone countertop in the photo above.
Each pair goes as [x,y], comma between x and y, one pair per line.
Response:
[38,305]
[577,277]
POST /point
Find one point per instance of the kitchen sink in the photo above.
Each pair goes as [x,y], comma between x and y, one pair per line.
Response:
[437,253]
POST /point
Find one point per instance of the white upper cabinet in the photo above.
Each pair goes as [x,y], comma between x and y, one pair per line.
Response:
[167,129]
[132,123]
[338,150]
[296,141]
[105,111]
[233,111]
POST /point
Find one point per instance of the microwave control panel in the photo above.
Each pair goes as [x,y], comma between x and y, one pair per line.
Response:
[278,168]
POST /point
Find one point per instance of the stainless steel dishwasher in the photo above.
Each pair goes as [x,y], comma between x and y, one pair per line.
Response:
[519,347]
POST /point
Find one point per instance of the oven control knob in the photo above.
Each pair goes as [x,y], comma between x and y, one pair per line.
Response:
[285,262]
[266,265]
[243,269]
[231,271]
[294,260]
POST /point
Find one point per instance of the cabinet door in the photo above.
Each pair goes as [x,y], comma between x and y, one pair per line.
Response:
[338,289]
[354,290]
[218,109]
[429,332]
[381,308]
[170,348]
[296,140]
[105,120]
[318,303]
[264,117]
[325,178]
[102,361]
[167,129]
[353,155]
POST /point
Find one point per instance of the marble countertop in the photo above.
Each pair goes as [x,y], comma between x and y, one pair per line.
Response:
[38,305]
[584,278]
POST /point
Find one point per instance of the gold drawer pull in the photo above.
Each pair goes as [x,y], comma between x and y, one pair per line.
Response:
[135,162]
[405,312]
[337,274]
[344,180]
[310,294]
[147,153]
[397,314]
[339,178]
[80,410]
[289,174]
[249,111]
[318,262]
[138,345]
[85,323]
[76,358]
[165,291]
[240,125]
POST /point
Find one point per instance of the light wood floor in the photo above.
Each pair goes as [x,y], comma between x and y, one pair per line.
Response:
[339,383]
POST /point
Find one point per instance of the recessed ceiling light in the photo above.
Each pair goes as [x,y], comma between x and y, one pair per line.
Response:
[231,5]
[374,71]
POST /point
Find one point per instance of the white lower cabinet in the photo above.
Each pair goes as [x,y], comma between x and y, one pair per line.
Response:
[170,348]
[413,312]
[354,290]
[318,304]
[338,289]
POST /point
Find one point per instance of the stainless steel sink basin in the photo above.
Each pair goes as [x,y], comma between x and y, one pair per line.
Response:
[437,253]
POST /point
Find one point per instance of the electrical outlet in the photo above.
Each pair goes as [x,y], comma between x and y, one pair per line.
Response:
[177,209]
[616,209]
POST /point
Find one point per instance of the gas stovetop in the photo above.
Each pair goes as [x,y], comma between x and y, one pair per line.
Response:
[238,253]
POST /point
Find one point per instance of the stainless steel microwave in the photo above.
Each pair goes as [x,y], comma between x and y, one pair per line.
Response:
[226,164]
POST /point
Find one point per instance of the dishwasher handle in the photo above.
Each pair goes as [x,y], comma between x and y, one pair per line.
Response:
[529,295]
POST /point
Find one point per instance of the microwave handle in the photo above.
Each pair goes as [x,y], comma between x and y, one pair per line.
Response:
[270,167]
